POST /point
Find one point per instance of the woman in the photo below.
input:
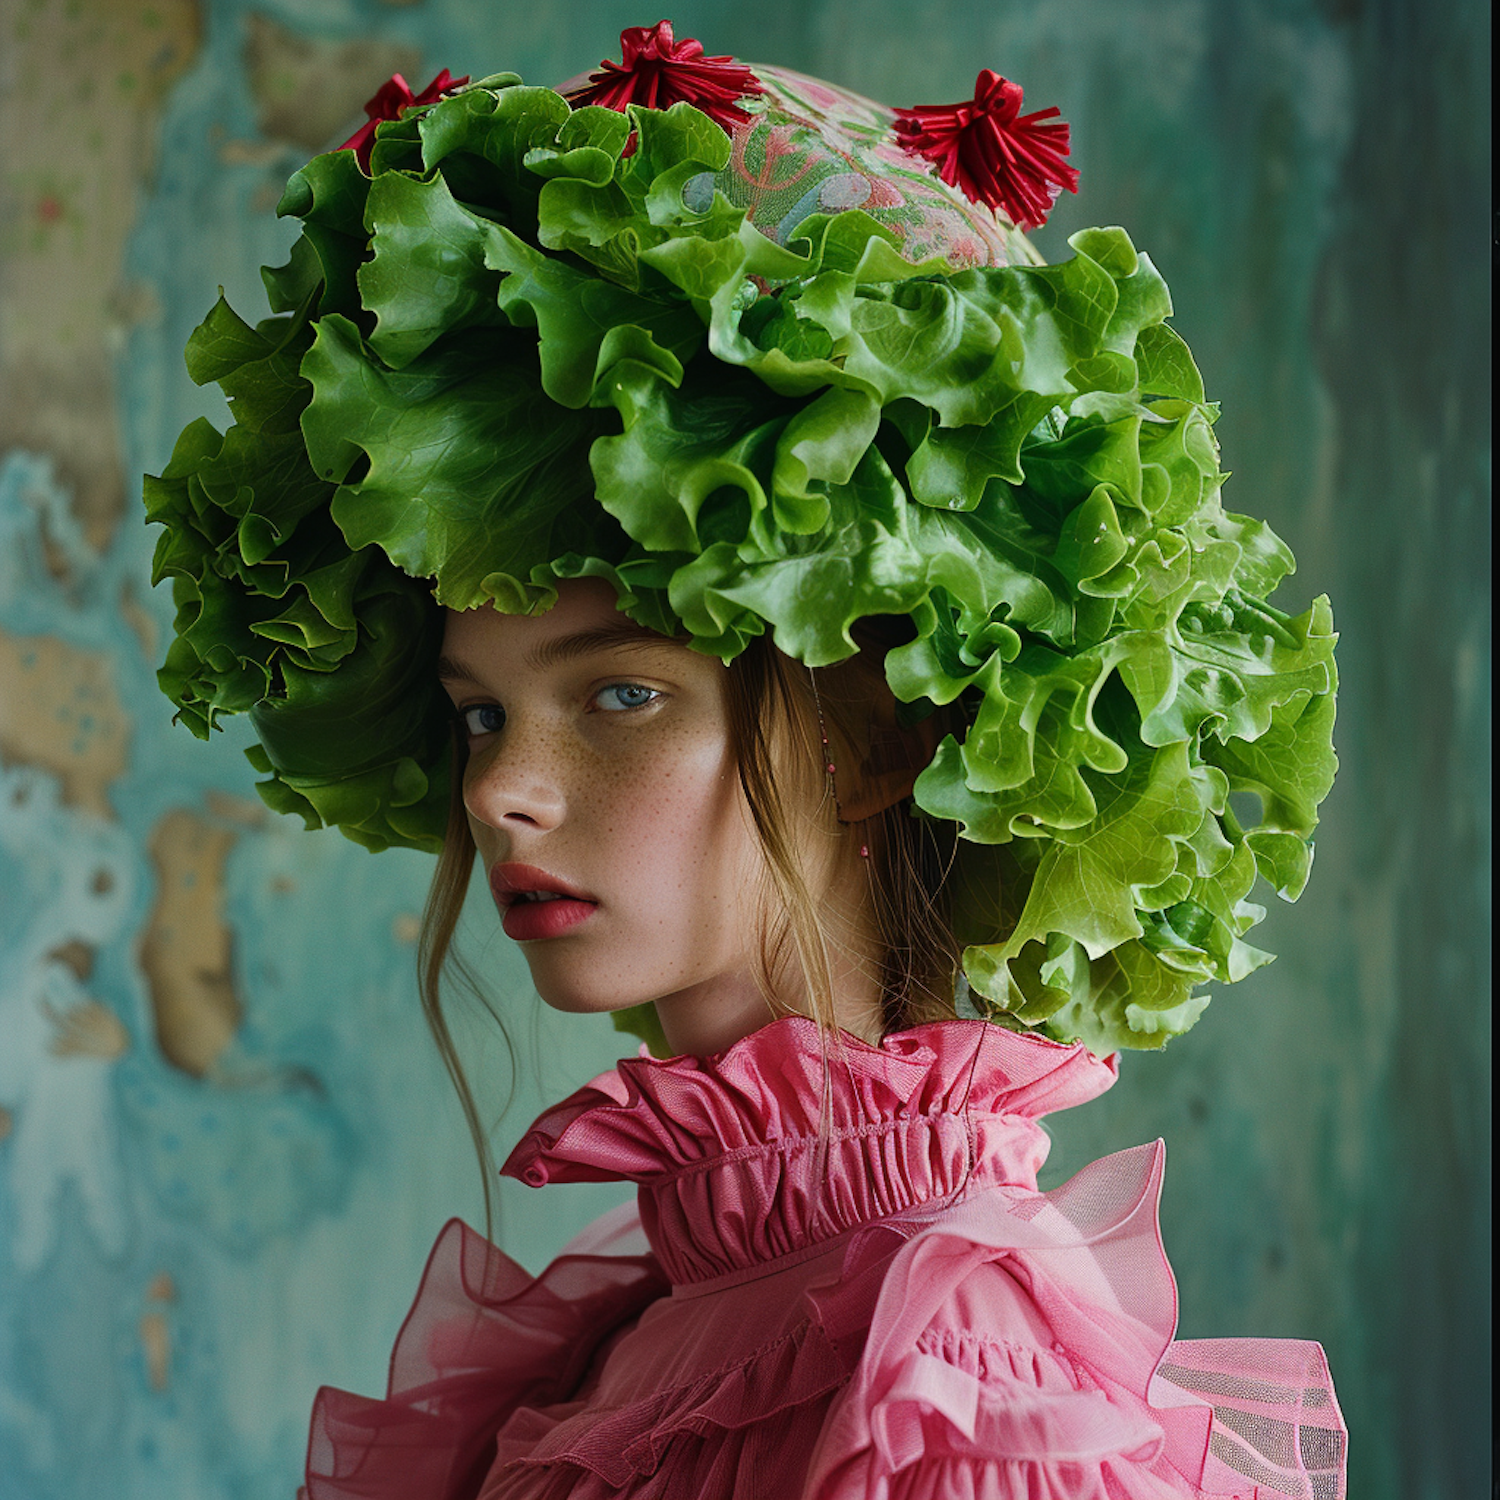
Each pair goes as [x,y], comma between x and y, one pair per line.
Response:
[848,652]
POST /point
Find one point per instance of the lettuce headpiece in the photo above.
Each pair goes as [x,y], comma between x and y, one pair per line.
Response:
[768,357]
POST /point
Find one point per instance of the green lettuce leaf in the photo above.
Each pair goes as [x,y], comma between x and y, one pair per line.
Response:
[537,344]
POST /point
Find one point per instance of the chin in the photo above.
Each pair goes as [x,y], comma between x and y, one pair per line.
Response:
[573,1003]
[580,999]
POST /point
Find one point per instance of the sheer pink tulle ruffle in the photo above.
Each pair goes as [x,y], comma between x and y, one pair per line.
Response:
[483,1338]
[876,1303]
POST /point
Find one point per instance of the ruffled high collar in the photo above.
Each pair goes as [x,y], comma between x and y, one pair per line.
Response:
[738,1169]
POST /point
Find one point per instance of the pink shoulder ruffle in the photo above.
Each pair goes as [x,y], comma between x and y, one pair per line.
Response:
[649,1117]
[1022,1345]
[482,1338]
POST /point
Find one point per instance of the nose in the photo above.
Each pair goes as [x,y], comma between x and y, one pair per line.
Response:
[514,782]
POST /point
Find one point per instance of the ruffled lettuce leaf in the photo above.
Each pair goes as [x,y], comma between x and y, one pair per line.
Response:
[538,343]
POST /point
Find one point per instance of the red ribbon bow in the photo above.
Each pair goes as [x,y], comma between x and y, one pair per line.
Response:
[657,71]
[993,153]
[389,100]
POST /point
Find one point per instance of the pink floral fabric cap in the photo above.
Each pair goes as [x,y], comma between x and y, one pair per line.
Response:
[803,147]
[811,148]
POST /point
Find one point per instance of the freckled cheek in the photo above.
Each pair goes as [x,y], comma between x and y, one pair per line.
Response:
[661,823]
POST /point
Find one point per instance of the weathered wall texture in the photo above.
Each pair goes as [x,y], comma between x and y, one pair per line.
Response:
[225,1144]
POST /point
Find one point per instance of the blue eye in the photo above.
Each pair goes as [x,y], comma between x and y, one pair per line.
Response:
[621,696]
[487,718]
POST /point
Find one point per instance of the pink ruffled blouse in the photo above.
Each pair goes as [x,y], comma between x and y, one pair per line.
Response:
[839,1284]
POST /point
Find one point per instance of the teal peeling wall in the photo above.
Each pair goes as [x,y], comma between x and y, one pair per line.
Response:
[1313,179]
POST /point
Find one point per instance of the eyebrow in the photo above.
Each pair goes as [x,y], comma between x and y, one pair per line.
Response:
[623,634]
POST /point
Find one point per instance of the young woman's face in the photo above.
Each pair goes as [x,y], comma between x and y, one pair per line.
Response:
[606,806]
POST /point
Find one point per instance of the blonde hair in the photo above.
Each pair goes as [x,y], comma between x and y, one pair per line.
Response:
[777,725]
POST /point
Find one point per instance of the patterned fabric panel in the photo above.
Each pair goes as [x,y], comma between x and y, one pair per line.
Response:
[814,149]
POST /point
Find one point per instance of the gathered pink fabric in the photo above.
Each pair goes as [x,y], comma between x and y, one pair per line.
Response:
[840,1283]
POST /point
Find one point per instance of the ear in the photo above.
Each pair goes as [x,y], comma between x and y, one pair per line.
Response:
[876,759]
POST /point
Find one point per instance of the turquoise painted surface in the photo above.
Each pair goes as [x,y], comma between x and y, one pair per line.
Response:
[1312,180]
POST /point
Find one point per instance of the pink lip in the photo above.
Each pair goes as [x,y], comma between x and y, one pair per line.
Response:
[526,921]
